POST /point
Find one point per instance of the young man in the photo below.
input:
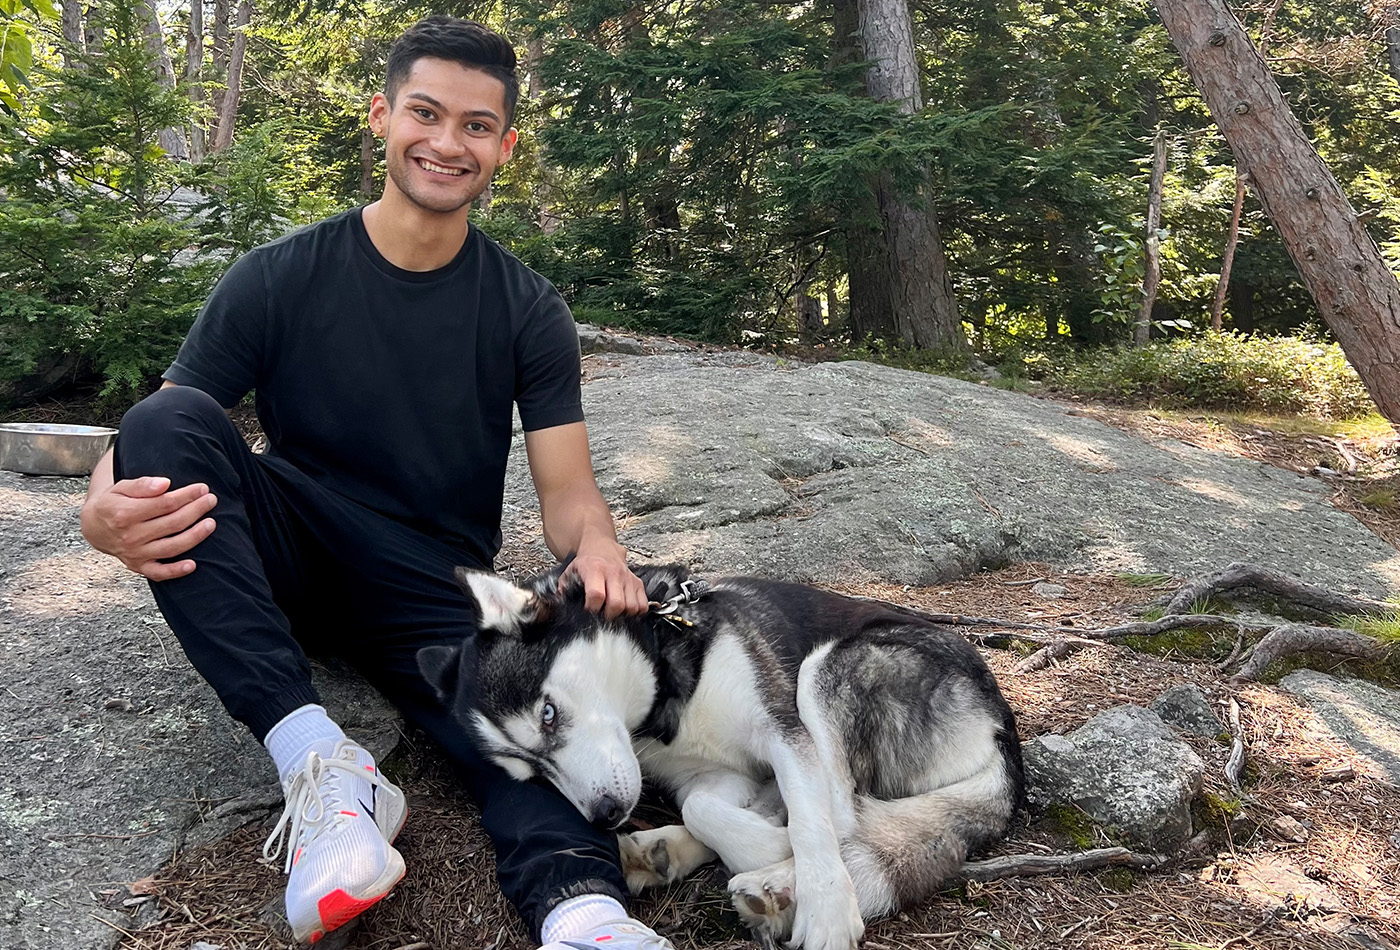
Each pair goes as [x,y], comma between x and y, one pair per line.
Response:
[386,346]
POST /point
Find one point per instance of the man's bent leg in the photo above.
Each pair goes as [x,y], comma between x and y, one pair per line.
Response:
[228,615]
[225,613]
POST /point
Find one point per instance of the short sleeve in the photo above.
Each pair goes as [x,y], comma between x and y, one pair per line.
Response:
[547,363]
[223,353]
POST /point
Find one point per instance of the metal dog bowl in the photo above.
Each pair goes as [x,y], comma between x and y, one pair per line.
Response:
[41,448]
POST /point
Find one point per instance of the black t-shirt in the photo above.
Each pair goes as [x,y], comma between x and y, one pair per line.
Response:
[390,387]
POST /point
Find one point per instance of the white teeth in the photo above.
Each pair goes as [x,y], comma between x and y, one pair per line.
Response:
[438,168]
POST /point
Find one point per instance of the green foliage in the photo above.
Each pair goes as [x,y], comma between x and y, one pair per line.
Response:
[1383,626]
[1145,580]
[93,256]
[1224,371]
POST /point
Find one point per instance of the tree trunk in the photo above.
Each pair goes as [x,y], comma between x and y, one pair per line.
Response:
[94,30]
[366,162]
[1242,305]
[534,88]
[228,108]
[900,288]
[72,32]
[833,312]
[1152,278]
[1343,269]
[194,64]
[1217,308]
[1392,46]
[172,141]
[219,53]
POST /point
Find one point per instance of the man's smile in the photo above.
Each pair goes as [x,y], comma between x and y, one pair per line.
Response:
[440,169]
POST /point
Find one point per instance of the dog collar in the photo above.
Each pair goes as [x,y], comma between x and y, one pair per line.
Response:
[690,591]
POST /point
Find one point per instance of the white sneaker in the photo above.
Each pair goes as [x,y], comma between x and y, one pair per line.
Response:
[624,934]
[341,816]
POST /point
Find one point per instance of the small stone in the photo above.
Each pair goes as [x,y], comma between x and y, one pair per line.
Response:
[1049,591]
[1288,828]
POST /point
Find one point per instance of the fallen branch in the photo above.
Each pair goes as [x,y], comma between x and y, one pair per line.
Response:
[1291,638]
[1029,865]
[1150,628]
[1052,654]
[1242,574]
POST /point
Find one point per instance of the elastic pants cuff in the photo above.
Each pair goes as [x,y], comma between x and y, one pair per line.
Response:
[555,897]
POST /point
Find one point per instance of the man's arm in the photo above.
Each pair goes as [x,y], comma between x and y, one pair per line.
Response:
[577,520]
[141,521]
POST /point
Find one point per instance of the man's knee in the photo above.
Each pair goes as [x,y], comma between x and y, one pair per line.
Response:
[159,432]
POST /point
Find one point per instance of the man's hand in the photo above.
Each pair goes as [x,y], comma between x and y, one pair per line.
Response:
[608,585]
[140,521]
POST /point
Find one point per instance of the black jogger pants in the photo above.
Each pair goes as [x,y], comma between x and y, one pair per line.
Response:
[293,568]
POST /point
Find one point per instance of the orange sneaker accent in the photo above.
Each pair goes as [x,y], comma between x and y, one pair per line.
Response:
[316,935]
[338,908]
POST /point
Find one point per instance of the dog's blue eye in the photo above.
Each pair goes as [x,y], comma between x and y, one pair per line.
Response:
[547,715]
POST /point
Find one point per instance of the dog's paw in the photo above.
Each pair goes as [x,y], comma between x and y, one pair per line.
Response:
[828,920]
[660,856]
[765,901]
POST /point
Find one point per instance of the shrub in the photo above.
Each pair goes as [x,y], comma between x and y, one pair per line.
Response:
[1228,371]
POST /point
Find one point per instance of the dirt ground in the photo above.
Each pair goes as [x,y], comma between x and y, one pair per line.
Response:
[1248,886]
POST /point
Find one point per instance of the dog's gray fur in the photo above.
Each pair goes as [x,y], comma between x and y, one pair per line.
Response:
[841,756]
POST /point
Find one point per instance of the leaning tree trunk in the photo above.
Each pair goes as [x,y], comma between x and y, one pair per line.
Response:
[1232,240]
[900,287]
[171,140]
[1354,290]
[228,105]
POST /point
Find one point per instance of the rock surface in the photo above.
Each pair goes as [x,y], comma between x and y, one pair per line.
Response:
[1366,716]
[1126,770]
[1185,707]
[739,463]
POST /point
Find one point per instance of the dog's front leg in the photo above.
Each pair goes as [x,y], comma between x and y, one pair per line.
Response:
[826,915]
[659,856]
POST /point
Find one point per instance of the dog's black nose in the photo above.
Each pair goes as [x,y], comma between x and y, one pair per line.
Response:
[608,813]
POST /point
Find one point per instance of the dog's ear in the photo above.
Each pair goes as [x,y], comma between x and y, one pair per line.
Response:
[500,605]
[662,581]
[439,667]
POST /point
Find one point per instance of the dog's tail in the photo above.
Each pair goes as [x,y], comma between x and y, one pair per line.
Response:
[904,849]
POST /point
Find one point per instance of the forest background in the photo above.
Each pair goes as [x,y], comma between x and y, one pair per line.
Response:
[717,169]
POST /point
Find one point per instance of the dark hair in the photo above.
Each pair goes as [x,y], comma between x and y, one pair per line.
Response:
[457,41]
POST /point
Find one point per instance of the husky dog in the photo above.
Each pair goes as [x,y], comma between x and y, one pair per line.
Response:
[841,757]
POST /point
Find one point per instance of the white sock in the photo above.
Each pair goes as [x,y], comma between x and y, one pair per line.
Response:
[577,916]
[299,732]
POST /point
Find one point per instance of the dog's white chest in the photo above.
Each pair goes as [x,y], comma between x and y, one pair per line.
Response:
[725,722]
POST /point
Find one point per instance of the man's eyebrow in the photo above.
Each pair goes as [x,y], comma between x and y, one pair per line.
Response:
[487,113]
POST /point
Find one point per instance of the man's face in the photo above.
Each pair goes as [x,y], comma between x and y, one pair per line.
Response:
[445,136]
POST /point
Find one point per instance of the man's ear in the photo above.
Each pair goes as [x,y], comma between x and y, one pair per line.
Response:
[439,667]
[500,605]
[379,108]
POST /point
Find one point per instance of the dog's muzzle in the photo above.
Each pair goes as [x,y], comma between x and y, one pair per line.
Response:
[608,814]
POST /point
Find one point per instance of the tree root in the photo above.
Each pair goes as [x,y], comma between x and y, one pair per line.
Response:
[1028,865]
[1292,638]
[1277,640]
[1242,574]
